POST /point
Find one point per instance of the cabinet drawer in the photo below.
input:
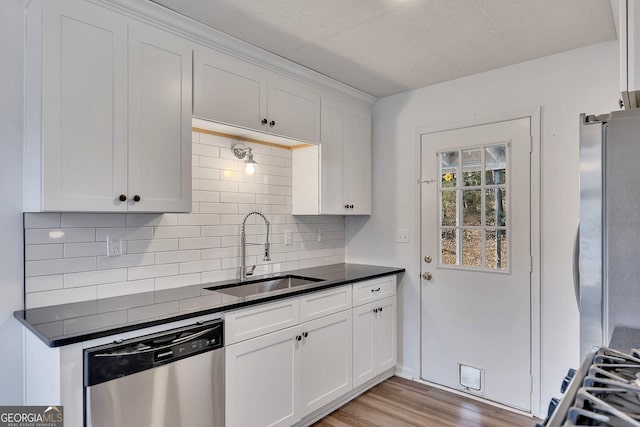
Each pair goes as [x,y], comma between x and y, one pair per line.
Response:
[318,304]
[373,290]
[254,321]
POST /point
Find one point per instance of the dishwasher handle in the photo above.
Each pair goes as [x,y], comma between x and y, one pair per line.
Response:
[147,348]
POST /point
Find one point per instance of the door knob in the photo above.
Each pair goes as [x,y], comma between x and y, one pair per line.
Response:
[427,259]
[427,276]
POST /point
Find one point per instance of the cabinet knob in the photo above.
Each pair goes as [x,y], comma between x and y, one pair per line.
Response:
[350,206]
[380,309]
[272,123]
[305,334]
[122,198]
[136,198]
[346,206]
[264,121]
[375,310]
[298,337]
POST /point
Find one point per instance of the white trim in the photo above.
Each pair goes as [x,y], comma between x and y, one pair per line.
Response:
[534,114]
[168,20]
[472,397]
[404,372]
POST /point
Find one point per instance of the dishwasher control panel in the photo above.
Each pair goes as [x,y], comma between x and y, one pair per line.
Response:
[111,361]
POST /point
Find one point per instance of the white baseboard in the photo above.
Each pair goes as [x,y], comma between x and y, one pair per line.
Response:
[404,372]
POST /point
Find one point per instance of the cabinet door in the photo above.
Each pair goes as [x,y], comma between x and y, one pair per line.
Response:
[294,109]
[385,342]
[261,380]
[325,371]
[332,200]
[228,90]
[364,335]
[356,163]
[84,110]
[159,121]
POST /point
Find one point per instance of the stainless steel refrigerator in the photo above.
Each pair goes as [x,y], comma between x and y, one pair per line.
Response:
[607,258]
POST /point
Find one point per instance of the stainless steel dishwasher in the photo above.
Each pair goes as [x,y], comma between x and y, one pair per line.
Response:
[170,379]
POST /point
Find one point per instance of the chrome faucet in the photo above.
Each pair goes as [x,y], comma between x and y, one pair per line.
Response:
[244,270]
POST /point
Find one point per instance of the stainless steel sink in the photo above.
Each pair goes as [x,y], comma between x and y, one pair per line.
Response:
[269,284]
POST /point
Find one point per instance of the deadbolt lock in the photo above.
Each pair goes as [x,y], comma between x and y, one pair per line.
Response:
[427,259]
[427,276]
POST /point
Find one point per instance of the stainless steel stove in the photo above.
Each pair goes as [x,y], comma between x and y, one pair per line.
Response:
[605,391]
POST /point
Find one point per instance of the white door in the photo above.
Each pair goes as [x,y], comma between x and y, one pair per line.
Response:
[476,263]
[325,361]
[159,121]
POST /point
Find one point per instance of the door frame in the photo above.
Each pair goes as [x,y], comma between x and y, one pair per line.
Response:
[533,114]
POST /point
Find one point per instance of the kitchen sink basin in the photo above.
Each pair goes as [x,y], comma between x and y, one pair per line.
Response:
[269,284]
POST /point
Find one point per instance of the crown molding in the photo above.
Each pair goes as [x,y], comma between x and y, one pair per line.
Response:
[166,19]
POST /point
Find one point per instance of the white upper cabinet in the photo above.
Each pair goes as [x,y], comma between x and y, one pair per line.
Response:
[342,183]
[107,112]
[237,93]
[160,86]
[630,53]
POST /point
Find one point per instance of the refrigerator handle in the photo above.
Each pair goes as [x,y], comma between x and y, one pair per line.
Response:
[576,266]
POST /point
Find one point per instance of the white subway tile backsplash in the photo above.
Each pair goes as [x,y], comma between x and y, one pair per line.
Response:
[125,288]
[77,250]
[37,252]
[92,220]
[57,266]
[99,277]
[151,271]
[59,235]
[177,281]
[41,220]
[65,253]
[177,256]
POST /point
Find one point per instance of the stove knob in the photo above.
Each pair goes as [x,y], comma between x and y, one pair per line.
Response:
[567,380]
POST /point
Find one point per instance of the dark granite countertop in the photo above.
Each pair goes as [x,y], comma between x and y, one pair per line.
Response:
[65,324]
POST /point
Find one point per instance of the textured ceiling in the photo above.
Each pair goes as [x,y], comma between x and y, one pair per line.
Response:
[387,46]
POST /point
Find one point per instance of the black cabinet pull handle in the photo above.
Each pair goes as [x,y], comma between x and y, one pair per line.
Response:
[305,334]
[375,290]
[122,198]
[298,338]
[136,198]
[272,123]
[264,121]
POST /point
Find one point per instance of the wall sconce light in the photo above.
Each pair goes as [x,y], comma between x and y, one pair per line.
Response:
[240,152]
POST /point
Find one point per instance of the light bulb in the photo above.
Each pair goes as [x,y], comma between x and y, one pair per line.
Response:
[249,169]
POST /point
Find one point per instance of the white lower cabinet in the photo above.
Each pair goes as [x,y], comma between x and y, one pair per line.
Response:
[261,376]
[325,361]
[280,370]
[374,339]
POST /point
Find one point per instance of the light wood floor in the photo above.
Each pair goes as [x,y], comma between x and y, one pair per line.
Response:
[399,403]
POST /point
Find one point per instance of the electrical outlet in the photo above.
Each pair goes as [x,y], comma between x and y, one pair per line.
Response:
[288,237]
[114,246]
[403,235]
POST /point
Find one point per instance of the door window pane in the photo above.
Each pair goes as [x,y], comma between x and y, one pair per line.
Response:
[495,161]
[449,247]
[472,248]
[496,207]
[472,207]
[496,249]
[472,167]
[449,210]
[449,164]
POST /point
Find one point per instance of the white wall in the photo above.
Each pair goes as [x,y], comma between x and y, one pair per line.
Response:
[564,85]
[11,53]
